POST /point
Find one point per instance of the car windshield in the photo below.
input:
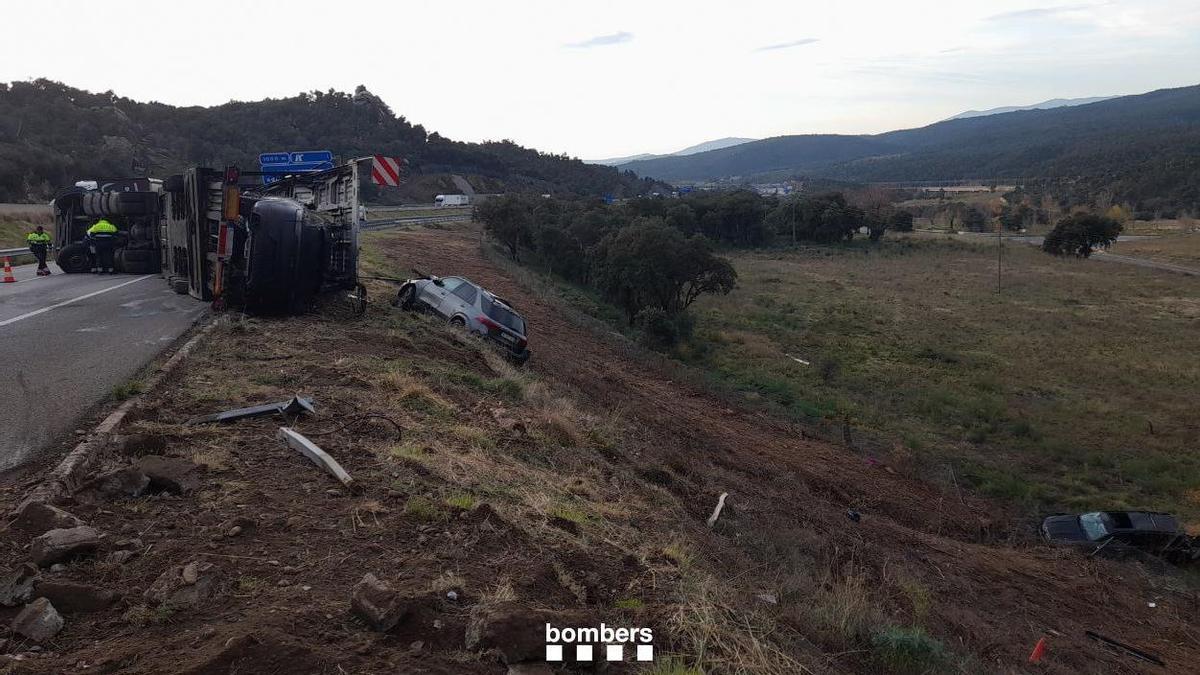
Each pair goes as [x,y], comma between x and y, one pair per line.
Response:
[1095,525]
[502,315]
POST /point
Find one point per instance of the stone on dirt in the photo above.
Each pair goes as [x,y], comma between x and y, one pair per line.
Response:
[39,621]
[184,586]
[60,545]
[516,632]
[71,598]
[120,557]
[16,586]
[174,475]
[376,603]
[116,484]
[38,517]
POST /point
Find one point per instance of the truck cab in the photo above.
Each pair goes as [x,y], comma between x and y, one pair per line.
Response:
[131,204]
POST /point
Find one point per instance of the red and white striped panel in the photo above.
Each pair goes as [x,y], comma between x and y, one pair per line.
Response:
[387,170]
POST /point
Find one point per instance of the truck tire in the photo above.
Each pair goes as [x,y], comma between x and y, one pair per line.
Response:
[173,183]
[137,261]
[142,232]
[138,255]
[74,258]
[119,203]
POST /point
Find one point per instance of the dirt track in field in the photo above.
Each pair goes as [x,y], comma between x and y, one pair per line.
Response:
[994,600]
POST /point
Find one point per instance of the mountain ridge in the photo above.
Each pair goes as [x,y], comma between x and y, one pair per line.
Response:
[52,134]
[717,144]
[1144,149]
[1044,105]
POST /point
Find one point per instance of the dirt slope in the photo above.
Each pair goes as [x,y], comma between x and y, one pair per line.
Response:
[789,498]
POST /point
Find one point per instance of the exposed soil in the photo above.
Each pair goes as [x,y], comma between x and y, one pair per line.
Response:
[994,600]
[283,580]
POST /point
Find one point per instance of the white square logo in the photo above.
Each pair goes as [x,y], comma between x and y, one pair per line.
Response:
[554,653]
[645,652]
[583,652]
[614,653]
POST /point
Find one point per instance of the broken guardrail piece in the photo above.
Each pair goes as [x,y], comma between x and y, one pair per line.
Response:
[293,406]
[318,456]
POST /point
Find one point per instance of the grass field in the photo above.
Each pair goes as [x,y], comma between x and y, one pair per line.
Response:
[1181,248]
[1074,389]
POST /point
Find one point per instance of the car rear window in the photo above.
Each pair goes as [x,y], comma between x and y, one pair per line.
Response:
[503,316]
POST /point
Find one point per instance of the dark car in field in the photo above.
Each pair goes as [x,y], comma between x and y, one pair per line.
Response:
[474,308]
[1122,533]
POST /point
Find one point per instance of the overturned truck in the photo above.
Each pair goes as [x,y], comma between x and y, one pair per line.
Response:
[219,236]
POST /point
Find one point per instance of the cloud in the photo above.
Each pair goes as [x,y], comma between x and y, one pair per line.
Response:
[788,45]
[602,40]
[1037,13]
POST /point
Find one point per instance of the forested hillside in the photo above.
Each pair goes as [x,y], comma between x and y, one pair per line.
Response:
[1143,150]
[52,134]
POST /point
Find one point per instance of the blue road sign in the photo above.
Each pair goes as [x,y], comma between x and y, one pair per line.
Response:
[312,156]
[274,158]
[281,163]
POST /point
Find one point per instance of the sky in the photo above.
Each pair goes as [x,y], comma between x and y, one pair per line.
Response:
[611,78]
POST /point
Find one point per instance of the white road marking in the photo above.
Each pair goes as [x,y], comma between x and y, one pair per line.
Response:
[67,302]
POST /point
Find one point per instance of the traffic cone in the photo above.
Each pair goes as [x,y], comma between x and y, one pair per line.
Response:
[8,275]
[1039,650]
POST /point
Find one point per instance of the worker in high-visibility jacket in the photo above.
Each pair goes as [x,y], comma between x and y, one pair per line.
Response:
[102,239]
[39,246]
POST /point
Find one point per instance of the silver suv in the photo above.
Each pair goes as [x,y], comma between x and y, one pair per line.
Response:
[464,303]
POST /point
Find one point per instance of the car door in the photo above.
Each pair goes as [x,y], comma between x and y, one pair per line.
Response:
[460,300]
[434,294]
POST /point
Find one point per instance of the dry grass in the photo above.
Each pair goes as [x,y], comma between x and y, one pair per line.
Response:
[718,636]
[1182,248]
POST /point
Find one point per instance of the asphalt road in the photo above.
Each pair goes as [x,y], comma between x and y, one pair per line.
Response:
[66,340]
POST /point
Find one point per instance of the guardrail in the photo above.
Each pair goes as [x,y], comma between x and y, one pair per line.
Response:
[14,251]
[415,220]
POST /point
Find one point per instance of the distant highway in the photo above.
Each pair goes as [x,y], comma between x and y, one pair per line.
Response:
[66,340]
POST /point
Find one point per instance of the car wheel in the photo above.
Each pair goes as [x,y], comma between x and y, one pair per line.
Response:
[74,258]
[405,298]
[521,358]
[458,322]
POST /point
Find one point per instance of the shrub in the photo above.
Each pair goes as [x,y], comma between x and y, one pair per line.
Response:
[1080,234]
[907,649]
[662,331]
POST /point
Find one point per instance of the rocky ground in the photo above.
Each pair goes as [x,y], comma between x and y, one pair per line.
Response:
[488,501]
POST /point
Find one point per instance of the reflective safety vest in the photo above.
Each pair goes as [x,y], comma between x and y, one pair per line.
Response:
[102,226]
[35,239]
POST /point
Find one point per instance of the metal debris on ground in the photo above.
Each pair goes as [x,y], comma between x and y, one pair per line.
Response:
[712,520]
[293,406]
[318,456]
[1132,651]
